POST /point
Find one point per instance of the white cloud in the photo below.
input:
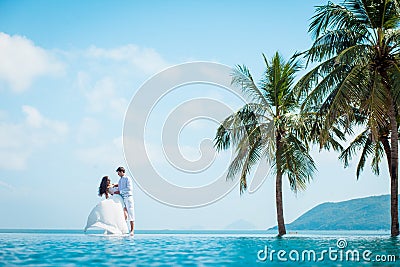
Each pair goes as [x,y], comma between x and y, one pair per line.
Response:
[49,130]
[110,153]
[111,74]
[33,116]
[102,96]
[18,141]
[21,62]
[145,59]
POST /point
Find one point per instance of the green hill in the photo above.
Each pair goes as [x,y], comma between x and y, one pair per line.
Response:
[370,213]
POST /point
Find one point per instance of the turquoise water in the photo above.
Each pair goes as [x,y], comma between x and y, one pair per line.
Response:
[202,248]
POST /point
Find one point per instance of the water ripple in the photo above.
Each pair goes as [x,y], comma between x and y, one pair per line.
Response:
[29,249]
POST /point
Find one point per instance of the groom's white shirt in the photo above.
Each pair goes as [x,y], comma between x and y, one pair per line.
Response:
[125,186]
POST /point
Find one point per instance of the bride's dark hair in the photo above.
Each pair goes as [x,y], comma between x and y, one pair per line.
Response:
[103,189]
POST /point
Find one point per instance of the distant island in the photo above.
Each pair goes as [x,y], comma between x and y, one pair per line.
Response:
[369,213]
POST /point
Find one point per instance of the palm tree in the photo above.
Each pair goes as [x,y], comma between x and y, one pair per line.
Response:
[267,129]
[358,45]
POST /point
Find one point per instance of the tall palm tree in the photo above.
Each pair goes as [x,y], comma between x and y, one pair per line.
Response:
[267,129]
[358,45]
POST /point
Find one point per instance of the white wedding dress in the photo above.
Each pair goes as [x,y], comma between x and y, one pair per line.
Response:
[109,216]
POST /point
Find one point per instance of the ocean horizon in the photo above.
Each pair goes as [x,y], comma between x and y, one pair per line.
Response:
[196,231]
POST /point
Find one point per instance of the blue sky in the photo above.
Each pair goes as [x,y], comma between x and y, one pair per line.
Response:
[68,71]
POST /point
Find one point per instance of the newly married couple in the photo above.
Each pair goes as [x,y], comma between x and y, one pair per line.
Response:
[117,207]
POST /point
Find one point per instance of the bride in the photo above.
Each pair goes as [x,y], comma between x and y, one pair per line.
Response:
[109,214]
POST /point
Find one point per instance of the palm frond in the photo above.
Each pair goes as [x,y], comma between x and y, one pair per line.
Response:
[357,8]
[254,155]
[366,151]
[325,89]
[351,88]
[395,82]
[354,55]
[382,14]
[332,16]
[277,82]
[306,83]
[359,142]
[377,157]
[241,76]
[375,105]
[297,163]
[333,42]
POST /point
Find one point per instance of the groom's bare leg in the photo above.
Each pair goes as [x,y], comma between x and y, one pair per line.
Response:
[132,227]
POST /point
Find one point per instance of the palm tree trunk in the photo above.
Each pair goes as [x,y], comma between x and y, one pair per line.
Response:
[394,161]
[278,189]
[279,205]
[394,184]
[393,189]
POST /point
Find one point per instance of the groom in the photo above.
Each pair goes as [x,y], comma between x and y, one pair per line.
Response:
[125,189]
